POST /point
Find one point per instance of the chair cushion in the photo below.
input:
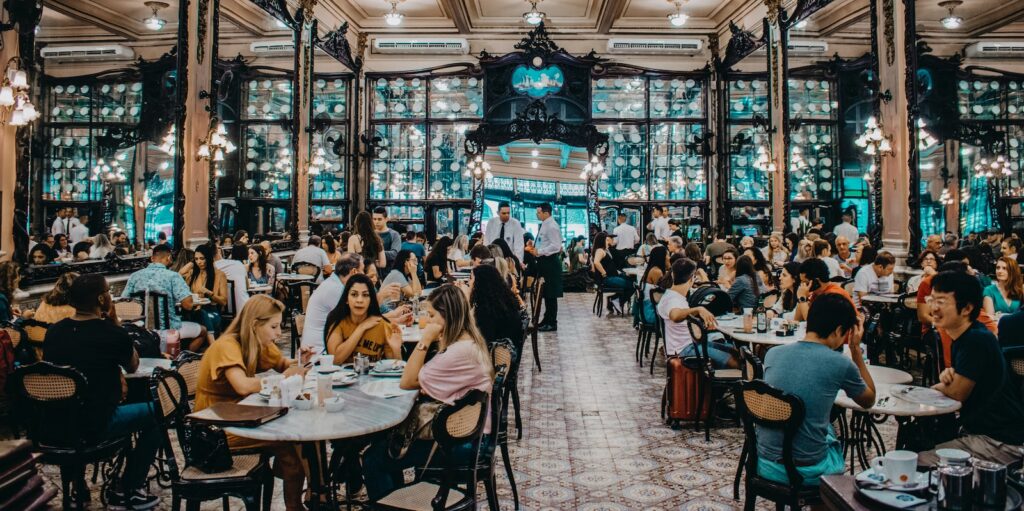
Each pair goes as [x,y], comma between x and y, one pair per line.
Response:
[418,496]
[241,467]
[726,374]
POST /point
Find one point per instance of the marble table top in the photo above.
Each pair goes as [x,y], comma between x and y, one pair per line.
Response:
[888,375]
[733,328]
[146,367]
[883,299]
[261,289]
[293,276]
[362,414]
[632,271]
[886,403]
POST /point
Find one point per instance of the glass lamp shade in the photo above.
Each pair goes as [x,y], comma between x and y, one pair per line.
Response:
[155,23]
[6,96]
[534,17]
[952,22]
[677,19]
[218,155]
[30,111]
[393,19]
[204,151]
[20,80]
[18,118]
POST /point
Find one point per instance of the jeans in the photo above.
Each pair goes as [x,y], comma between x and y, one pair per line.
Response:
[622,284]
[382,474]
[718,352]
[136,418]
[832,463]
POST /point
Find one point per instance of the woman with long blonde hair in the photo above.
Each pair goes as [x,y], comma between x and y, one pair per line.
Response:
[227,373]
[776,252]
[1005,293]
[462,363]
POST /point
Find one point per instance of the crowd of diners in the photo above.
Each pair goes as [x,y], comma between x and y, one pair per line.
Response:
[369,276]
[821,278]
[368,279]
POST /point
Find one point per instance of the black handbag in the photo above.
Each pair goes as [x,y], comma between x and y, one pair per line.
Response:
[208,448]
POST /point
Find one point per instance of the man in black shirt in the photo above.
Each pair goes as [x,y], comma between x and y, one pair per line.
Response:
[992,415]
[93,342]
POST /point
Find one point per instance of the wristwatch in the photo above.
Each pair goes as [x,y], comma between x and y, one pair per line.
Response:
[421,347]
[802,299]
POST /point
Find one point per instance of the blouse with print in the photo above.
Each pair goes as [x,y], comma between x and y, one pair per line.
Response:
[374,343]
[265,277]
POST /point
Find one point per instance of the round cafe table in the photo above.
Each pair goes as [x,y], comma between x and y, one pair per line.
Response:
[292,277]
[632,271]
[147,366]
[732,326]
[363,414]
[885,299]
[860,432]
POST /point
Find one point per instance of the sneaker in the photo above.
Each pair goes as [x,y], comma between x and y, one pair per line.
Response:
[135,499]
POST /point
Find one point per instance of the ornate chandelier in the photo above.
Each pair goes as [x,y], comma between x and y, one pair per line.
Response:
[873,141]
[594,170]
[14,98]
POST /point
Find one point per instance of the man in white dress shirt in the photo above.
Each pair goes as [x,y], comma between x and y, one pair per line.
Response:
[846,229]
[626,239]
[801,223]
[507,228]
[61,224]
[659,223]
[80,231]
[548,251]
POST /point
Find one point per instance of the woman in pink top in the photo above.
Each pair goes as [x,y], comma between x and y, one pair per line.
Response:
[462,363]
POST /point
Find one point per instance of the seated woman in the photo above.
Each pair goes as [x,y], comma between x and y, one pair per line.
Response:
[40,255]
[496,309]
[765,276]
[775,253]
[929,265]
[436,262]
[227,373]
[61,246]
[650,242]
[101,247]
[206,281]
[744,290]
[260,271]
[462,363]
[656,271]
[727,271]
[403,273]
[357,326]
[10,277]
[692,252]
[605,270]
[1004,294]
[789,281]
[55,306]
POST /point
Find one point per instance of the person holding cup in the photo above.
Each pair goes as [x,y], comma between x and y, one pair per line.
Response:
[992,414]
[813,371]
[356,325]
[227,373]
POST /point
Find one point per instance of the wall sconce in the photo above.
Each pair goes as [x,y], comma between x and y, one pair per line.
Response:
[14,100]
[764,160]
[477,168]
[873,141]
[924,138]
[215,145]
[594,170]
[109,170]
[318,162]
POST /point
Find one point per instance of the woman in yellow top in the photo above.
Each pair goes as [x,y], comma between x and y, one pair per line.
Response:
[227,373]
[357,326]
[54,306]
[213,286]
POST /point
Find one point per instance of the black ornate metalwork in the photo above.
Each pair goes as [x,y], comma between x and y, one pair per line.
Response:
[876,221]
[24,15]
[538,42]
[913,113]
[279,10]
[202,23]
[335,43]
[180,126]
[32,275]
[888,9]
[803,10]
[741,44]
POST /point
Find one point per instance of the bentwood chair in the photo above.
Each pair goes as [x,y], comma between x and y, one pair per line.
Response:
[504,355]
[1015,359]
[158,309]
[34,332]
[536,301]
[129,310]
[721,380]
[50,400]
[187,365]
[752,369]
[763,406]
[655,332]
[307,269]
[248,478]
[453,427]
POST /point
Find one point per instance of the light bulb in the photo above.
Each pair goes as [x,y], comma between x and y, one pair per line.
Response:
[6,96]
[535,153]
[155,23]
[677,19]
[885,146]
[952,22]
[534,164]
[20,80]
[204,151]
[393,18]
[218,155]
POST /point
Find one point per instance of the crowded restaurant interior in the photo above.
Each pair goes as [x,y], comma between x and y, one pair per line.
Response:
[512,254]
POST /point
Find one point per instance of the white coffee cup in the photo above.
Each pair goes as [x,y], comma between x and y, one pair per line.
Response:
[900,467]
[326,360]
[269,382]
[955,457]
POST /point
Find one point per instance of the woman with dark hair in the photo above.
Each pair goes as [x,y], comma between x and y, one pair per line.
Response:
[928,263]
[403,273]
[607,274]
[577,254]
[356,325]
[343,241]
[789,281]
[727,271]
[40,255]
[10,277]
[496,308]
[765,278]
[242,237]
[61,245]
[331,247]
[744,291]
[692,252]
[208,282]
[101,246]
[226,241]
[365,241]
[260,271]
[792,242]
[436,263]
[654,276]
[865,257]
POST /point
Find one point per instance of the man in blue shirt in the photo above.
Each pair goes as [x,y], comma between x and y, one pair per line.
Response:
[412,244]
[156,277]
[815,372]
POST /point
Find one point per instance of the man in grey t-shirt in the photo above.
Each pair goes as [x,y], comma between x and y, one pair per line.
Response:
[815,372]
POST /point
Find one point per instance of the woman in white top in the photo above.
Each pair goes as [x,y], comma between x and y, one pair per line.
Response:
[101,246]
[457,253]
[776,252]
[649,243]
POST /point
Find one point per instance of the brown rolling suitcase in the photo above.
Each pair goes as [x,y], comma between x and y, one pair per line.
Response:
[679,401]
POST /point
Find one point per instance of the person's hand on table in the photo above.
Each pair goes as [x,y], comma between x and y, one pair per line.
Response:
[389,292]
[946,376]
[710,323]
[306,354]
[295,370]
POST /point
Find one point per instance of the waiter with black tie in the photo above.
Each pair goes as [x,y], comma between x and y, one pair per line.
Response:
[548,250]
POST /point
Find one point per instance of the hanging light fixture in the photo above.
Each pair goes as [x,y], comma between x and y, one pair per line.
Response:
[873,141]
[951,22]
[393,18]
[924,138]
[594,170]
[678,18]
[155,22]
[318,163]
[533,16]
[215,146]
[477,168]
[14,98]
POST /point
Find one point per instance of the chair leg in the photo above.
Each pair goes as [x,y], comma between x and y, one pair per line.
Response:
[268,489]
[224,503]
[518,417]
[654,352]
[252,501]
[750,500]
[492,494]
[700,405]
[508,472]
[192,505]
[639,340]
[780,506]
[65,485]
[536,354]
[641,347]
[175,502]
[739,473]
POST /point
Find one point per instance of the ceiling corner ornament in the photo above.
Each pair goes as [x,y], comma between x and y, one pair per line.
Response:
[335,44]
[774,7]
[203,19]
[803,10]
[537,42]
[307,5]
[278,9]
[741,44]
[24,14]
[713,47]
[890,31]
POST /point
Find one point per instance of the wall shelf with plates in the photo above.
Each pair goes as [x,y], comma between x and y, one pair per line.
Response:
[814,173]
[747,186]
[332,97]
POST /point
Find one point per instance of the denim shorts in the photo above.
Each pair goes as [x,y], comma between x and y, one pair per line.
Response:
[718,352]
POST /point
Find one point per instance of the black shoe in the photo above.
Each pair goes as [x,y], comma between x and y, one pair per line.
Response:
[547,328]
[135,499]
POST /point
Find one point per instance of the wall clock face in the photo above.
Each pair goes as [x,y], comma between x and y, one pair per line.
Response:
[537,83]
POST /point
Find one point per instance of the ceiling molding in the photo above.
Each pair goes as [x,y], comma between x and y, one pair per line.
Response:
[611,10]
[100,16]
[457,10]
[1009,12]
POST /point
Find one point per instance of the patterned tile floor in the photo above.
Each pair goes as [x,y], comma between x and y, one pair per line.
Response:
[593,439]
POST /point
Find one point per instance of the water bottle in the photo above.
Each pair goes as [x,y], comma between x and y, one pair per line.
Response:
[323,387]
[762,320]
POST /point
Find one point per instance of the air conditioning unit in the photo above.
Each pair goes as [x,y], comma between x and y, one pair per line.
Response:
[655,46]
[393,46]
[807,47]
[996,49]
[283,46]
[88,52]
